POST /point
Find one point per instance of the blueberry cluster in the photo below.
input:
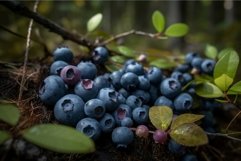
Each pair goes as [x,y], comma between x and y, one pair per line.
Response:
[115,102]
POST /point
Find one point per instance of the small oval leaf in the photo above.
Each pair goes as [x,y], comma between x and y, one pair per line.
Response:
[9,113]
[4,136]
[189,134]
[223,82]
[163,63]
[208,90]
[161,117]
[118,59]
[126,51]
[111,67]
[94,22]
[235,89]
[158,21]
[59,138]
[211,51]
[185,118]
[177,30]
[227,64]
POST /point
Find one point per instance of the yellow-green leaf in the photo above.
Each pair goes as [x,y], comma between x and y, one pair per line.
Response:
[223,82]
[162,63]
[189,134]
[94,22]
[235,89]
[177,30]
[59,138]
[185,118]
[161,117]
[208,90]
[118,59]
[211,51]
[126,51]
[4,136]
[158,21]
[9,113]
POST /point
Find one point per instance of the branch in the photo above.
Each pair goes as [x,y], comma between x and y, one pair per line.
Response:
[20,9]
[224,135]
[133,32]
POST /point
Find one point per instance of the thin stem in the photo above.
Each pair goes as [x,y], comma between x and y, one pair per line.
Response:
[133,32]
[223,135]
[233,119]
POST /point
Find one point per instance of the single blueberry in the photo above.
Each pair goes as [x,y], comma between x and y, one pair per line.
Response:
[208,66]
[100,55]
[124,92]
[135,68]
[196,63]
[122,136]
[64,54]
[143,95]
[121,112]
[154,74]
[70,74]
[140,115]
[94,108]
[129,81]
[88,70]
[144,82]
[115,79]
[154,93]
[182,68]
[133,101]
[57,66]
[176,148]
[190,56]
[178,76]
[121,99]
[130,61]
[102,82]
[170,87]
[89,127]
[107,123]
[52,89]
[187,78]
[127,122]
[86,89]
[69,109]
[163,101]
[183,102]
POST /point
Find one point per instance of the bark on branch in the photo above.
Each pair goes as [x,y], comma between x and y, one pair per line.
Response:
[20,9]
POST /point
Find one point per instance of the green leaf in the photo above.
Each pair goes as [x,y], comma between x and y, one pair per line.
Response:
[235,89]
[208,90]
[163,63]
[94,22]
[185,118]
[223,82]
[111,67]
[228,64]
[161,117]
[59,138]
[158,21]
[211,51]
[189,134]
[9,113]
[126,51]
[4,136]
[177,30]
[118,59]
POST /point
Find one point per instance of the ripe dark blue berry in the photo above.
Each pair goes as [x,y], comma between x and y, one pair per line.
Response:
[144,83]
[176,148]
[190,56]
[122,136]
[154,74]
[178,76]
[100,54]
[133,101]
[143,95]
[121,112]
[170,87]
[110,97]
[57,66]
[135,68]
[88,70]
[102,82]
[95,108]
[127,122]
[163,101]
[196,63]
[107,123]
[183,102]
[140,115]
[63,53]
[115,79]
[207,66]
[129,81]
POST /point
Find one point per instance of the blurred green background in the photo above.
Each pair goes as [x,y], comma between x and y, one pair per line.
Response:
[211,22]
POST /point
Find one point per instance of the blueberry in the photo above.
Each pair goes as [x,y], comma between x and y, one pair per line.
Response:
[183,102]
[144,82]
[110,97]
[88,70]
[210,104]
[176,148]
[191,91]
[196,63]
[160,136]
[121,112]
[189,157]
[143,95]
[154,74]
[178,76]
[133,101]
[207,66]
[135,68]
[154,93]
[69,109]
[102,82]
[140,115]
[127,122]
[100,54]
[187,78]
[146,107]
[63,53]
[121,99]
[70,74]
[57,66]
[163,101]
[124,92]
[182,68]
[142,131]
[95,108]
[129,81]
[130,61]
[170,87]
[89,127]
[107,123]
[115,79]
[122,136]
[190,56]
[52,89]
[86,89]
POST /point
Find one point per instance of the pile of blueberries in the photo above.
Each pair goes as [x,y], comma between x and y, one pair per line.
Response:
[119,101]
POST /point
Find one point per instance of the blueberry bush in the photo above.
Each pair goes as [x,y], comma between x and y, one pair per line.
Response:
[121,94]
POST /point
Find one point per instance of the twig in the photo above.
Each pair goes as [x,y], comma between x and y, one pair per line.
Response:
[20,9]
[233,119]
[27,52]
[224,135]
[133,32]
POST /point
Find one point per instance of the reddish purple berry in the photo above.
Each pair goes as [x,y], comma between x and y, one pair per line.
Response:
[160,136]
[70,74]
[142,131]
